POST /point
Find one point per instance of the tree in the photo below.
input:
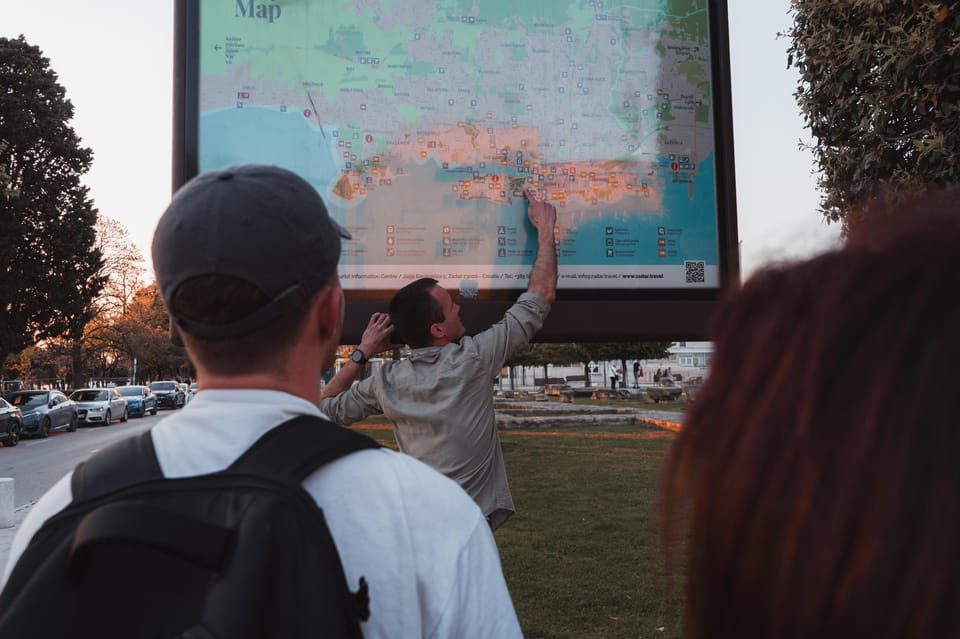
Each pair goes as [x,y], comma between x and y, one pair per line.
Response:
[879,92]
[146,331]
[103,338]
[584,353]
[45,366]
[111,343]
[607,351]
[5,189]
[48,260]
[122,267]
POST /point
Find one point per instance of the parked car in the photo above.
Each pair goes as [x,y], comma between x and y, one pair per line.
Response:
[44,411]
[99,405]
[11,423]
[140,400]
[169,394]
[193,389]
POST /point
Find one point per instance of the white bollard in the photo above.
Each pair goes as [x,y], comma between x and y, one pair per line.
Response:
[6,502]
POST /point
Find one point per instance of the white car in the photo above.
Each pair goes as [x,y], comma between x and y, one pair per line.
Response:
[99,405]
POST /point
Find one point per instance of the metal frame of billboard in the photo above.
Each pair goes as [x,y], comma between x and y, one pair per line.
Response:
[581,315]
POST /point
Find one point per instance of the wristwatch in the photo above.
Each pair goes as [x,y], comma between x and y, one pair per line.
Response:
[358,357]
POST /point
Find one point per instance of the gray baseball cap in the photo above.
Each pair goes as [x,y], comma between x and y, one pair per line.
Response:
[262,224]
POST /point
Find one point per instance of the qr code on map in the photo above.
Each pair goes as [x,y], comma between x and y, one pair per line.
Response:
[694,271]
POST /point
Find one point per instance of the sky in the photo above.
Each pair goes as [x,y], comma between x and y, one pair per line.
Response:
[115,60]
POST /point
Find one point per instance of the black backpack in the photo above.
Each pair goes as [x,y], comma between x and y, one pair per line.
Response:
[244,552]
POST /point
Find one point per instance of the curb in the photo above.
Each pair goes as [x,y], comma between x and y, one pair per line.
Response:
[7,534]
[675,427]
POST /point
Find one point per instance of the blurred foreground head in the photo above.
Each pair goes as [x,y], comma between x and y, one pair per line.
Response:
[815,490]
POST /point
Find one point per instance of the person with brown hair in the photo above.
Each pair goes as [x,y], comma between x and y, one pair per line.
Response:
[815,488]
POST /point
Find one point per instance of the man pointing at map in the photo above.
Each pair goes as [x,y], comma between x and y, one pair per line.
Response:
[440,398]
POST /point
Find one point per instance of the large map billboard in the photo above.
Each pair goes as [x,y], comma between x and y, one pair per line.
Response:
[421,121]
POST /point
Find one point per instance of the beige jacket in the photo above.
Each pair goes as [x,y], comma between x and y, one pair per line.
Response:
[440,400]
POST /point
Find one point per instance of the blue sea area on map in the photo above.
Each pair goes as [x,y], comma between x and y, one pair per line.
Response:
[269,136]
[694,217]
[288,139]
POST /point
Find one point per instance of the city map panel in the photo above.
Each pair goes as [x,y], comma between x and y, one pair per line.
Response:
[420,122]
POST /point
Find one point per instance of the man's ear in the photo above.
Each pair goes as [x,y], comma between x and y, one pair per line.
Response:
[175,338]
[437,332]
[327,312]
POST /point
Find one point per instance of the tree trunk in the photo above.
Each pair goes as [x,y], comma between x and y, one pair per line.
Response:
[76,364]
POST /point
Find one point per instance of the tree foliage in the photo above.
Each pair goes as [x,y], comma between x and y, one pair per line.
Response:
[96,347]
[126,322]
[584,353]
[5,190]
[122,267]
[543,354]
[880,92]
[109,346]
[142,332]
[48,260]
[600,351]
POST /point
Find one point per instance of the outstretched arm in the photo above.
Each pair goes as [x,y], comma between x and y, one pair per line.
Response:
[375,339]
[543,275]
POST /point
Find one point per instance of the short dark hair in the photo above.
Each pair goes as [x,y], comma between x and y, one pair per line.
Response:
[413,310]
[815,485]
[221,299]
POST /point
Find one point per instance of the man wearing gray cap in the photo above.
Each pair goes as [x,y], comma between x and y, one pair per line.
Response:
[246,262]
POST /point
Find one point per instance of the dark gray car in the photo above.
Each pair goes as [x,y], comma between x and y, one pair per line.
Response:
[169,394]
[10,423]
[44,411]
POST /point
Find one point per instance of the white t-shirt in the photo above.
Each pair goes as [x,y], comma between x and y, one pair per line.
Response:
[422,544]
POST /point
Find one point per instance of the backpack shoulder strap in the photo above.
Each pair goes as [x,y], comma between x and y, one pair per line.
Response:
[123,463]
[293,449]
[297,447]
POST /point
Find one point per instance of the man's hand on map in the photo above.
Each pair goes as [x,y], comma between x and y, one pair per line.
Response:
[543,275]
[542,214]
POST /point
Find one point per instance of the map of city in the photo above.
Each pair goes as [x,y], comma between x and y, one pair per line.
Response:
[421,121]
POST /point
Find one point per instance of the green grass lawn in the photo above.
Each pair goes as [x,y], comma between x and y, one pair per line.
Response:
[582,554]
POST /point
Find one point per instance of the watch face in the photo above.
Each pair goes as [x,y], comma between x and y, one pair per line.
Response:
[358,357]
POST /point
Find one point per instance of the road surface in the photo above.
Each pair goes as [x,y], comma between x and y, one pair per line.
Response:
[37,464]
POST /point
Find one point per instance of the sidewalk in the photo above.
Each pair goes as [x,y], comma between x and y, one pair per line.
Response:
[7,534]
